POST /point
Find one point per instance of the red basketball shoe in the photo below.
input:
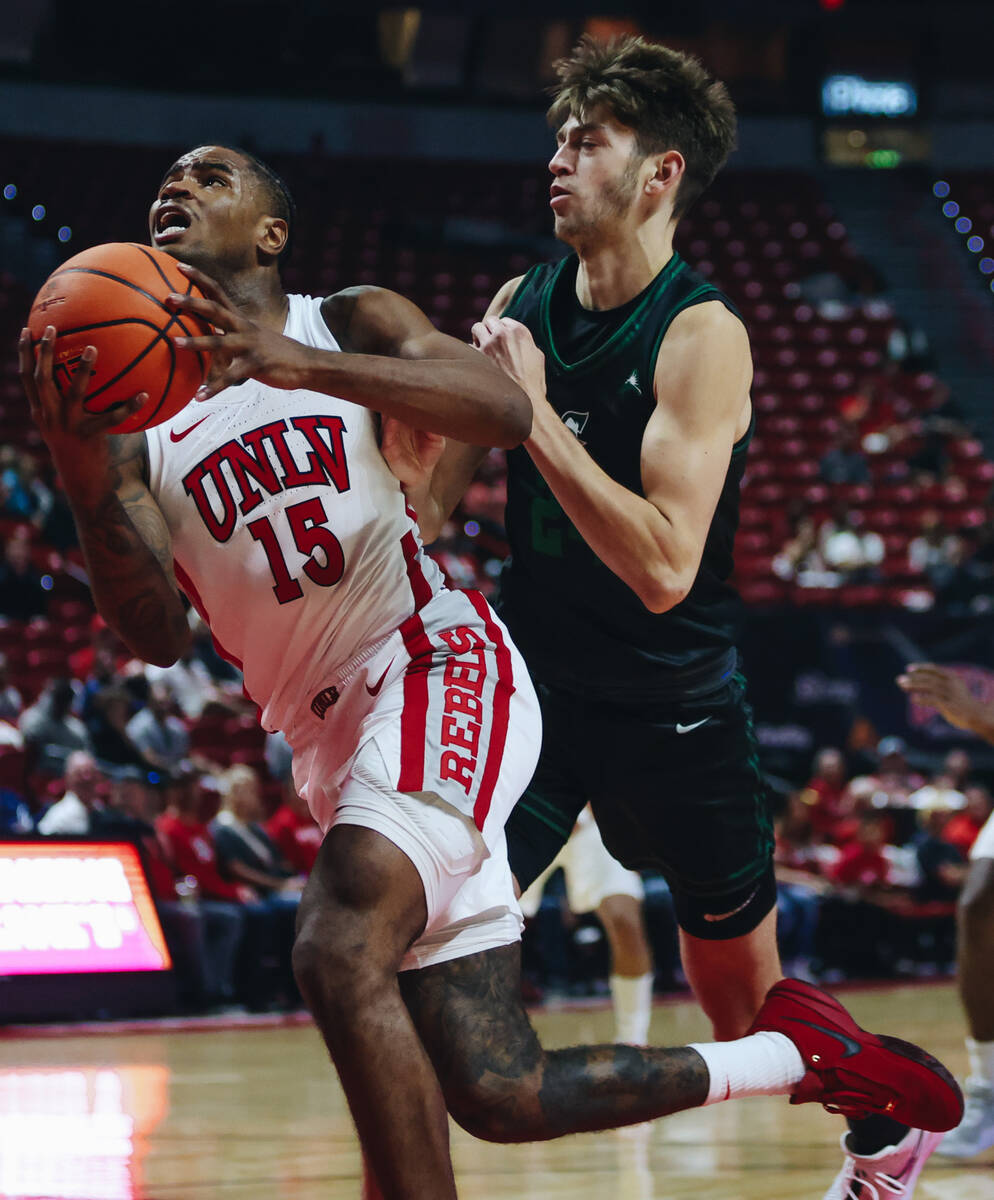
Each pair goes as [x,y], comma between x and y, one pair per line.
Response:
[854,1072]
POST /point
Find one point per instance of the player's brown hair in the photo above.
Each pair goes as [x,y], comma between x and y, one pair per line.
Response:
[666,97]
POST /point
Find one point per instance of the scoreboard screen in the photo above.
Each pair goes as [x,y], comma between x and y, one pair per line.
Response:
[76,907]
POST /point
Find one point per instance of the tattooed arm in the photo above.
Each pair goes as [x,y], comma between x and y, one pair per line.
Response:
[122,531]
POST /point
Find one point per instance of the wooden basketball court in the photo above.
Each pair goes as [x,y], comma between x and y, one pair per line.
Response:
[257,1114]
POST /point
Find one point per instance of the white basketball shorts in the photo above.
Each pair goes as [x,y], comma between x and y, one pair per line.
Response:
[444,706]
[592,873]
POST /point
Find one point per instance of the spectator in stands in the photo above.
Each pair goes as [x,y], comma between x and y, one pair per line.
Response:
[112,744]
[279,757]
[159,735]
[942,865]
[193,687]
[845,461]
[853,553]
[22,493]
[893,781]
[50,730]
[798,861]
[294,831]
[827,800]
[935,550]
[203,935]
[964,826]
[799,555]
[11,701]
[857,928]
[70,815]
[246,852]
[22,595]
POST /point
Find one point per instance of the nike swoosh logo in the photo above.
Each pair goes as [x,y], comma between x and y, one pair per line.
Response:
[732,912]
[687,728]
[850,1045]
[374,690]
[178,437]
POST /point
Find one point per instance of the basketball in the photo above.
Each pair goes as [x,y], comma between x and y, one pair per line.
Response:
[112,297]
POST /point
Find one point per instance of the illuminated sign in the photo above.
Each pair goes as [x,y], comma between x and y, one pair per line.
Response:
[853,96]
[69,907]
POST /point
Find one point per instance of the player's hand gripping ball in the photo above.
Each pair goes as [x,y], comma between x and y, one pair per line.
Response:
[112,297]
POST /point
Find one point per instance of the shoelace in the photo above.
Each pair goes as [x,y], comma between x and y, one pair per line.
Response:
[868,1188]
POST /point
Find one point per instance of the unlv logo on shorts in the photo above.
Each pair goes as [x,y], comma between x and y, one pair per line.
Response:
[323,701]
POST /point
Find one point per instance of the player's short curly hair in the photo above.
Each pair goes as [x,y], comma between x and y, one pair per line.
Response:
[665,97]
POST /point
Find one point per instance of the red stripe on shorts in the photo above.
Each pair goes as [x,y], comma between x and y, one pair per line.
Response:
[420,587]
[503,691]
[414,718]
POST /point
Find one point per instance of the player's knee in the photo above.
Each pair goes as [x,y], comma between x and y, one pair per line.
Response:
[337,959]
[496,1109]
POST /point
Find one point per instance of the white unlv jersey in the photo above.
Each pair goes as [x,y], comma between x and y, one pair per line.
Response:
[290,534]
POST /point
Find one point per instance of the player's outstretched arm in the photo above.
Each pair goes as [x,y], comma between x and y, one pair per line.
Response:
[942,689]
[435,479]
[394,362]
[121,529]
[654,542]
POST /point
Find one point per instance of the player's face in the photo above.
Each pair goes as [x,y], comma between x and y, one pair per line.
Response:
[597,174]
[207,210]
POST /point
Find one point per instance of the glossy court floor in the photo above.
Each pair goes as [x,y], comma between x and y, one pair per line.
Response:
[256,1114]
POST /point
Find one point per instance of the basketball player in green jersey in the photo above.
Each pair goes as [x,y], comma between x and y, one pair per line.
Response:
[621,515]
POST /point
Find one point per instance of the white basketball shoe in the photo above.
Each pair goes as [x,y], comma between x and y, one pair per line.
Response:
[891,1172]
[976,1131]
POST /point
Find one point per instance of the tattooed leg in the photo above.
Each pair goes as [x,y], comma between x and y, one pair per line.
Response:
[502,1086]
[363,905]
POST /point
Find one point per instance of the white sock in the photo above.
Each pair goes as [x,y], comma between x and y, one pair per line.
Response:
[981,1056]
[632,997]
[762,1064]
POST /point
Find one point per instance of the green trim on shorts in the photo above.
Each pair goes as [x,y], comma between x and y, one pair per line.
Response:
[545,811]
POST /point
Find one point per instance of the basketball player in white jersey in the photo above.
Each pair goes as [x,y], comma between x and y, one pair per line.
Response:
[412,721]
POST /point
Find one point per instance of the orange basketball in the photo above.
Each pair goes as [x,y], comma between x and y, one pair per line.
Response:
[111,297]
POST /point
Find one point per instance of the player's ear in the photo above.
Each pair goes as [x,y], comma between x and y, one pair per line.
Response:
[273,236]
[668,170]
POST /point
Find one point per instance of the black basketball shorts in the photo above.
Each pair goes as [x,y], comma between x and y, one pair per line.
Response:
[675,787]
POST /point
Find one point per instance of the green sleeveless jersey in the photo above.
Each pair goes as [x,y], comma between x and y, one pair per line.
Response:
[577,624]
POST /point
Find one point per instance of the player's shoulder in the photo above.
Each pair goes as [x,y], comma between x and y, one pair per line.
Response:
[712,319]
[368,319]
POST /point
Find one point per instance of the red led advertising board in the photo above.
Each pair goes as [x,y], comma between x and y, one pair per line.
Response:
[70,907]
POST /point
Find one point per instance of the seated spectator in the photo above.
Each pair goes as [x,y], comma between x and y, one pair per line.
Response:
[857,929]
[190,845]
[935,550]
[828,802]
[943,866]
[845,461]
[51,733]
[22,492]
[890,785]
[854,553]
[22,594]
[938,794]
[11,701]
[245,850]
[962,828]
[195,690]
[799,555]
[798,862]
[159,735]
[71,814]
[294,831]
[203,935]
[112,744]
[279,757]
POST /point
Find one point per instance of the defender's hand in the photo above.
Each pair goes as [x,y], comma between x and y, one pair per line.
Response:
[411,454]
[511,346]
[942,689]
[240,348]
